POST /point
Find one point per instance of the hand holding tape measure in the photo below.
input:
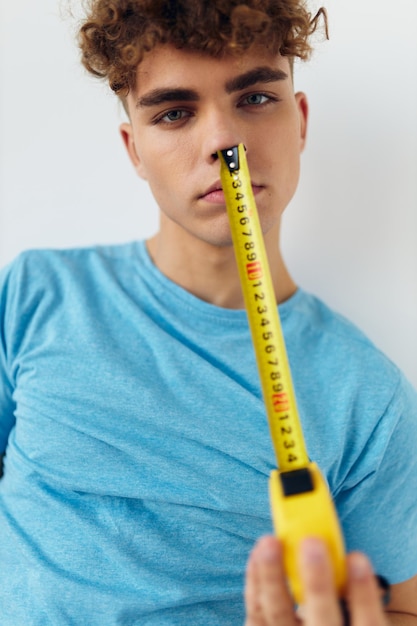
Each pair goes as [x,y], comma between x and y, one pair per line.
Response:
[301,503]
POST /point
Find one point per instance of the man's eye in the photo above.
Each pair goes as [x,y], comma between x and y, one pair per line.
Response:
[175,115]
[257,98]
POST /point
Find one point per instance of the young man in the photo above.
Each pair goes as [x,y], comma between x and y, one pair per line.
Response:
[137,449]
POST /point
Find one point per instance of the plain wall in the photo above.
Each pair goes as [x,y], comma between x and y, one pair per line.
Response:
[350,234]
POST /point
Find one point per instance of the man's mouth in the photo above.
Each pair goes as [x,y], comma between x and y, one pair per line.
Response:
[215,194]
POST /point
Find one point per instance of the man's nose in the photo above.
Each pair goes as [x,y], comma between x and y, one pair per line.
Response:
[221,133]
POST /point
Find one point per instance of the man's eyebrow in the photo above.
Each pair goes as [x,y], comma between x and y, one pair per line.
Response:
[159,96]
[263,74]
[257,75]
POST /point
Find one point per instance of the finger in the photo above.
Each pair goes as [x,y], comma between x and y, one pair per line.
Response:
[321,604]
[254,615]
[275,601]
[363,595]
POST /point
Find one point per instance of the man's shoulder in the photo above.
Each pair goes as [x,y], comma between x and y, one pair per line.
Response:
[337,347]
[326,322]
[47,262]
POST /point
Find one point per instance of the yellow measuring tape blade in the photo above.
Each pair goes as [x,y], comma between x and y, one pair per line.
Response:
[261,307]
[300,500]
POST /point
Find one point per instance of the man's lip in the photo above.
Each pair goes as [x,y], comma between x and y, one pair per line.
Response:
[217,187]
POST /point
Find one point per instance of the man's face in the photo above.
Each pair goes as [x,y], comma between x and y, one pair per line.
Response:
[188,106]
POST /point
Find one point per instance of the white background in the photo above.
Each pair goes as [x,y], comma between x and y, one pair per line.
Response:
[350,235]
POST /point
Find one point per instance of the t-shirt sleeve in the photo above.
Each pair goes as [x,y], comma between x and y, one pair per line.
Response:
[7,404]
[379,515]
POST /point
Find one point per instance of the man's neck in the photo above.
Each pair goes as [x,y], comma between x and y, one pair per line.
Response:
[210,272]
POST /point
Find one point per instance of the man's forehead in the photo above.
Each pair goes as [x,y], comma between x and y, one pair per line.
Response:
[166,65]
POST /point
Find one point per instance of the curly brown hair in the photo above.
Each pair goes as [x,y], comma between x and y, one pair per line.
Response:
[117,33]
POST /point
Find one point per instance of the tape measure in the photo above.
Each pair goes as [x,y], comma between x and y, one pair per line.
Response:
[300,500]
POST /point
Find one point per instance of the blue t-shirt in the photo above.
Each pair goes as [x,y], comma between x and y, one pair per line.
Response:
[138,452]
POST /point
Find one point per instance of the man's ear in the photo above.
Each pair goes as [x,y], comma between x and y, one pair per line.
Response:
[302,105]
[126,132]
